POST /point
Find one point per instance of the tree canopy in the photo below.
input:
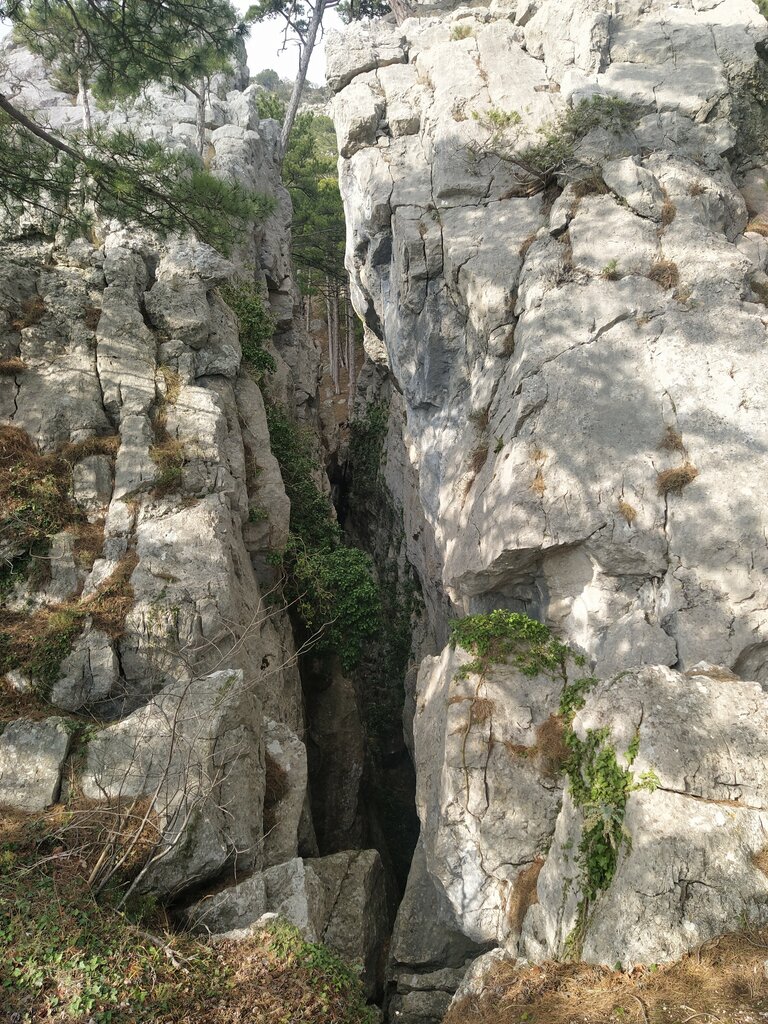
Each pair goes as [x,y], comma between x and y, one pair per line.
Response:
[118,47]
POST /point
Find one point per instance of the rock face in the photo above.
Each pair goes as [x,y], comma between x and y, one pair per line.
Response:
[122,367]
[577,369]
[32,756]
[515,323]
[339,900]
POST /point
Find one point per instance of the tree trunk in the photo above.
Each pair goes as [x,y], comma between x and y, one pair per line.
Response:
[401,10]
[85,104]
[308,45]
[202,88]
[351,354]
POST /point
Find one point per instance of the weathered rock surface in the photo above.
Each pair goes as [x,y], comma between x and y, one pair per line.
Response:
[692,866]
[339,900]
[574,433]
[509,339]
[32,756]
[196,752]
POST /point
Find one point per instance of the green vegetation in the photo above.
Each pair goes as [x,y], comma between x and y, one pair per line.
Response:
[332,586]
[599,785]
[70,957]
[501,636]
[113,49]
[537,164]
[459,32]
[311,177]
[256,324]
[366,444]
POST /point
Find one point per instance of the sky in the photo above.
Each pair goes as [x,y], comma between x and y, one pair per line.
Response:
[266,40]
[265,43]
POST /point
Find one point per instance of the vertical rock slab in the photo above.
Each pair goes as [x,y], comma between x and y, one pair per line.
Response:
[32,756]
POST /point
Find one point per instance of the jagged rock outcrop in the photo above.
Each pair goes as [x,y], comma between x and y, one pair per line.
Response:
[576,355]
[124,389]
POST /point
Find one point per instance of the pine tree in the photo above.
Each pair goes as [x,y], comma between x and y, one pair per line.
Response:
[115,48]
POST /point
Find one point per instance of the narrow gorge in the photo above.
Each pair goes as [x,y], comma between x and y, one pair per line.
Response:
[469,686]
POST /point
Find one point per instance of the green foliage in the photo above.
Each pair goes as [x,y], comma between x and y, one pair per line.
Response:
[133,180]
[123,45]
[538,163]
[256,325]
[332,586]
[268,79]
[572,698]
[502,636]
[366,444]
[312,521]
[70,957]
[461,32]
[331,975]
[270,105]
[38,645]
[311,177]
[600,788]
[338,598]
[355,10]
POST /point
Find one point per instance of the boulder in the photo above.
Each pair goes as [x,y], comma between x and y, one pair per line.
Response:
[195,753]
[32,756]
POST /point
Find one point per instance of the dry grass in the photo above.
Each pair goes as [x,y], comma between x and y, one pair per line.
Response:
[664,273]
[696,188]
[551,749]
[759,226]
[627,511]
[672,441]
[480,418]
[30,312]
[91,317]
[672,481]
[760,860]
[12,367]
[668,211]
[172,382]
[527,243]
[524,895]
[113,599]
[592,185]
[478,459]
[169,455]
[69,957]
[538,486]
[724,981]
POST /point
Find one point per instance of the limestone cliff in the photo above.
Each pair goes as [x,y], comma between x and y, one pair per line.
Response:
[556,233]
[150,661]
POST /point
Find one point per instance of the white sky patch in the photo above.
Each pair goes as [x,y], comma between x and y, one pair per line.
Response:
[264,46]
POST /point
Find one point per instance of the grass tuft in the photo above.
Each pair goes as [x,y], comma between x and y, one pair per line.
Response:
[12,367]
[664,273]
[672,481]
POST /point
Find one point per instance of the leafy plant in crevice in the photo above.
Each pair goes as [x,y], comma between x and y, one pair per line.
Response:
[332,587]
[599,784]
[501,636]
[600,787]
[256,326]
[537,164]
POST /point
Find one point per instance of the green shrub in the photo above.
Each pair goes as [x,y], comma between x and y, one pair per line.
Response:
[538,163]
[332,586]
[256,324]
[338,598]
[501,636]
